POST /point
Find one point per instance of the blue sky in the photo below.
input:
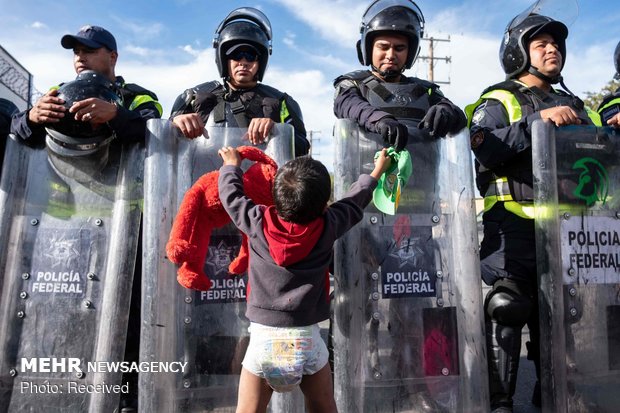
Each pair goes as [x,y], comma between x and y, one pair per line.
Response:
[166,45]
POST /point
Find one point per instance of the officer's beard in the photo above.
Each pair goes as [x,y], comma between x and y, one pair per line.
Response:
[388,75]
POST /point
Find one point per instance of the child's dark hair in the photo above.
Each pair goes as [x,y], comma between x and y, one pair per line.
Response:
[301,190]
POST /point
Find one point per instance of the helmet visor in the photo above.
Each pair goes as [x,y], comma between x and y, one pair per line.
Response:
[250,14]
[379,5]
[565,11]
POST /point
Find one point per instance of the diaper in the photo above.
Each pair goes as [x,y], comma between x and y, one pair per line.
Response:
[283,355]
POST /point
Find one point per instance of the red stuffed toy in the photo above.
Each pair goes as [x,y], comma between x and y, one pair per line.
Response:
[202,210]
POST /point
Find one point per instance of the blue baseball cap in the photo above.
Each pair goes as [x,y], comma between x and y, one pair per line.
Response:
[94,37]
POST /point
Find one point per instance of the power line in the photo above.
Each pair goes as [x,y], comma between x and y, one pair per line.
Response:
[431,58]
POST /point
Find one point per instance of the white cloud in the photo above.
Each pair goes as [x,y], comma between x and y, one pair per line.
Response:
[314,93]
[38,25]
[168,80]
[138,51]
[39,51]
[190,50]
[289,39]
[140,29]
[332,19]
[474,66]
[589,69]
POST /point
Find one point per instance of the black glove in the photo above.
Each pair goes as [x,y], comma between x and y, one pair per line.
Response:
[393,132]
[440,120]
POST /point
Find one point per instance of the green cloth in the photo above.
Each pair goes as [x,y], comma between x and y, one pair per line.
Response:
[389,189]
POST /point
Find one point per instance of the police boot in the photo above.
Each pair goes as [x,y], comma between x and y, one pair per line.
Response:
[504,350]
[533,353]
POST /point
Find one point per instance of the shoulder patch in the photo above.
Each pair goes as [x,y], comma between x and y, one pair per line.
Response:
[479,113]
[477,138]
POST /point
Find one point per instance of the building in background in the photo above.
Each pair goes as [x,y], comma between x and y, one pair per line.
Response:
[15,81]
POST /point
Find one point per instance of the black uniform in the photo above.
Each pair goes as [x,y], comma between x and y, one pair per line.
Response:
[501,143]
[504,150]
[129,125]
[365,98]
[139,105]
[236,108]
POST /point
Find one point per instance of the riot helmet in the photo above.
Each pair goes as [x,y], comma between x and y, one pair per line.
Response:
[617,61]
[245,26]
[402,17]
[70,137]
[514,50]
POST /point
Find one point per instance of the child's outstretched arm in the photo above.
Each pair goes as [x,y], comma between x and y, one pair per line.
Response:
[230,156]
[382,163]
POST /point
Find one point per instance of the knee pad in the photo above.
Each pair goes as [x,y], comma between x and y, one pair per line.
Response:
[507,307]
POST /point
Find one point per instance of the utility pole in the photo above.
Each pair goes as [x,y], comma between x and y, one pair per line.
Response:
[311,139]
[431,59]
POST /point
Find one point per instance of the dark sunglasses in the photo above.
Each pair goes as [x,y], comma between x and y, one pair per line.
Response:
[248,55]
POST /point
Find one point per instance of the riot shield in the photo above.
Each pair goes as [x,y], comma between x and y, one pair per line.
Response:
[408,333]
[577,204]
[68,240]
[206,330]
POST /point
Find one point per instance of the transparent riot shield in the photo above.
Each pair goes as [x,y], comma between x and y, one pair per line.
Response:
[205,330]
[577,199]
[68,240]
[408,333]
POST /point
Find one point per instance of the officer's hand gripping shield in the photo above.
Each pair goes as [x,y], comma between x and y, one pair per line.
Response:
[205,330]
[68,241]
[408,328]
[577,210]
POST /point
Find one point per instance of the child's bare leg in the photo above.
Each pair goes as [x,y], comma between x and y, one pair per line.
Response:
[319,391]
[254,393]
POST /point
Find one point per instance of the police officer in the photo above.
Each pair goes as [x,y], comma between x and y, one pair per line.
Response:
[389,44]
[242,45]
[94,48]
[93,119]
[532,53]
[397,110]
[7,110]
[609,109]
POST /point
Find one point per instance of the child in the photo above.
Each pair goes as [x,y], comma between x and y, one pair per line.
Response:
[290,247]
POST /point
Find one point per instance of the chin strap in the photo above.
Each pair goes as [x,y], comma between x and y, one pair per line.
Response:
[551,80]
[578,103]
[388,75]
